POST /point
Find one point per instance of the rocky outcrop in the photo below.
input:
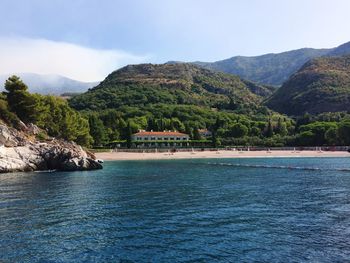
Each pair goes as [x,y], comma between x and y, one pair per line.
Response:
[19,153]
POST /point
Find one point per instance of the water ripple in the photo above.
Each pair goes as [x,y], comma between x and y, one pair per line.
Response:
[253,210]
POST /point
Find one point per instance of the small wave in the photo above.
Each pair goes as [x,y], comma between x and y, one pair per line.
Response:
[263,166]
[45,171]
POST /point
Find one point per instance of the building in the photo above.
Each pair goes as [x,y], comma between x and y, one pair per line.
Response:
[160,139]
[204,133]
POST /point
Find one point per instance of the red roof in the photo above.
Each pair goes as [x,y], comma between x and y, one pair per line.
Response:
[145,133]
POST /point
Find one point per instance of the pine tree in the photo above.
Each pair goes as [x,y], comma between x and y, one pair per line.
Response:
[128,135]
[20,101]
[269,129]
[97,130]
[196,134]
[281,127]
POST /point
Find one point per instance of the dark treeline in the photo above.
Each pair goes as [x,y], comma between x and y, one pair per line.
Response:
[229,128]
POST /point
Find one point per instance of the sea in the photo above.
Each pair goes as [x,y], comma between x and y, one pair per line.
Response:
[197,210]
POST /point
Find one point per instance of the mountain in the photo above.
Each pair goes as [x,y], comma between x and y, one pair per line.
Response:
[272,69]
[321,85]
[50,84]
[341,50]
[179,83]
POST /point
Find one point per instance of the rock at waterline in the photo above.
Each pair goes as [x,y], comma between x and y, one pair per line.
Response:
[18,153]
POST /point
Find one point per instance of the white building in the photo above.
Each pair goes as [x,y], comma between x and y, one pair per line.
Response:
[160,139]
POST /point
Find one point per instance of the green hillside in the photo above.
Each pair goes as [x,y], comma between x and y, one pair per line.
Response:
[187,98]
[181,97]
[321,85]
[172,84]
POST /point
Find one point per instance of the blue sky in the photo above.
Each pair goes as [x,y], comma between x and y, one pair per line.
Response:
[87,39]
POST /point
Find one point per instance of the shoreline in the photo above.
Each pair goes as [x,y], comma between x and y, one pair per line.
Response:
[121,156]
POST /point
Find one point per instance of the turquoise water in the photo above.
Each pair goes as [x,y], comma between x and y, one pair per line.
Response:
[219,210]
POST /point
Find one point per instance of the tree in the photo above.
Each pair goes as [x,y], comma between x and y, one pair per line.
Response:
[55,116]
[281,128]
[214,139]
[344,132]
[269,129]
[188,130]
[128,135]
[20,101]
[238,130]
[151,124]
[196,134]
[255,131]
[97,130]
[177,124]
[332,136]
[319,130]
[306,138]
[6,115]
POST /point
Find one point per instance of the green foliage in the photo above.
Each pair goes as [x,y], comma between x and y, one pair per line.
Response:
[332,136]
[6,115]
[186,98]
[306,138]
[178,84]
[344,132]
[41,136]
[316,132]
[196,134]
[269,129]
[237,130]
[20,101]
[128,135]
[50,113]
[97,130]
[59,120]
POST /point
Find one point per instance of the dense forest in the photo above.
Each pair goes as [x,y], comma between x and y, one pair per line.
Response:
[178,97]
[187,98]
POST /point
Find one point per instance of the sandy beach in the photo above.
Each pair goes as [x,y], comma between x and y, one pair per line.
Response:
[113,156]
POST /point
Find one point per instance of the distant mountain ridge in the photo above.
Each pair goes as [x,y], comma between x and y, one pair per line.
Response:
[271,69]
[50,84]
[321,85]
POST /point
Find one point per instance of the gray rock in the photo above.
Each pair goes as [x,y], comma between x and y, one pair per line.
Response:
[18,153]
[7,137]
[33,129]
[22,126]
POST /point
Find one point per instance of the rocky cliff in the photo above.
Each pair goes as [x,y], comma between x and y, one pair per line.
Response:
[19,151]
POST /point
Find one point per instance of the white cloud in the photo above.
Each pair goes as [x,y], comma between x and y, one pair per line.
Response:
[49,57]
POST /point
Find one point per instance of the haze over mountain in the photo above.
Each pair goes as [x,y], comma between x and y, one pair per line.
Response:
[321,85]
[272,69]
[50,84]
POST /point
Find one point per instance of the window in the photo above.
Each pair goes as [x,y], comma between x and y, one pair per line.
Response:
[153,138]
[178,138]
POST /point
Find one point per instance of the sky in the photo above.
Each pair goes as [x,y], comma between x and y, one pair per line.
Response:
[88,39]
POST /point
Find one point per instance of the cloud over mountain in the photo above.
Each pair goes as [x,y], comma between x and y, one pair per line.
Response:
[71,60]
